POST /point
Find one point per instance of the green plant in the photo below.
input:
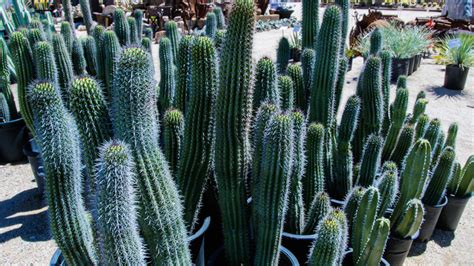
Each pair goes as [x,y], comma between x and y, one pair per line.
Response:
[326,249]
[398,115]
[183,68]
[386,78]
[68,35]
[112,51]
[452,134]
[295,41]
[421,126]
[121,27]
[98,34]
[376,42]
[317,210]
[345,5]
[167,84]
[68,15]
[432,134]
[5,87]
[387,185]
[462,184]
[173,131]
[313,180]
[90,54]
[219,40]
[78,58]
[148,32]
[4,109]
[45,65]
[64,65]
[442,173]
[220,17]
[340,82]
[410,220]
[266,88]
[404,142]
[307,64]
[456,50]
[283,55]
[352,201]
[296,74]
[418,110]
[370,160]
[374,249]
[146,44]
[36,35]
[116,209]
[287,93]
[173,34]
[138,15]
[87,15]
[211,25]
[133,32]
[310,23]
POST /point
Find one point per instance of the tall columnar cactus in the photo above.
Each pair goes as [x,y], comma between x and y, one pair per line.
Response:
[266,88]
[371,115]
[78,60]
[211,25]
[463,181]
[233,116]
[307,64]
[418,110]
[283,55]
[341,217]
[404,142]
[313,180]
[64,65]
[68,35]
[433,133]
[193,172]
[44,62]
[117,218]
[398,115]
[438,149]
[442,173]
[219,17]
[373,251]
[352,202]
[160,210]
[275,175]
[410,220]
[364,220]
[173,34]
[327,246]
[310,25]
[452,134]
[295,217]
[456,177]
[68,15]
[421,126]
[146,44]
[219,40]
[138,15]
[87,15]
[90,54]
[173,131]
[296,74]
[413,176]
[5,87]
[287,93]
[57,136]
[133,33]
[167,82]
[326,68]
[4,109]
[183,68]
[148,32]
[89,108]
[36,35]
[317,210]
[376,42]
[387,185]
[112,51]
[370,161]
[22,58]
[341,80]
[98,34]
[121,28]
[343,152]
[345,5]
[386,58]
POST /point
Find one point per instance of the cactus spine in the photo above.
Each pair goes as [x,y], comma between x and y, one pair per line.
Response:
[167,82]
[307,64]
[313,180]
[283,55]
[397,119]
[310,23]
[98,34]
[90,54]
[112,51]
[296,74]
[452,134]
[35,35]
[45,63]
[352,202]
[211,25]
[435,190]
[318,209]
[66,32]
[183,68]
[387,185]
[87,15]
[138,15]
[5,87]
[410,220]
[121,28]
[327,246]
[370,163]
[418,110]
[266,88]
[372,254]
[68,15]
[386,58]
[78,60]
[64,65]
[405,141]
[133,34]
[174,36]
[173,130]
[376,42]
[364,220]
[117,217]
[421,126]
[341,80]
[287,94]
[432,133]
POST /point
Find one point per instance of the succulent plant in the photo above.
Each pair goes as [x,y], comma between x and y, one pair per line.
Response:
[112,51]
[296,74]
[266,88]
[283,55]
[87,15]
[4,109]
[341,80]
[36,35]
[387,185]
[386,58]
[409,222]
[398,116]
[404,142]
[376,42]
[418,110]
[90,54]
[219,40]
[133,33]
[183,68]
[442,173]
[317,210]
[167,83]
[463,184]
[45,64]
[78,59]
[313,180]
[98,34]
[310,23]
[219,17]
[121,27]
[173,131]
[5,87]
[452,134]
[68,15]
[370,162]
[287,93]
[68,35]
[432,133]
[363,221]
[326,249]
[374,249]
[173,34]
[63,64]
[307,64]
[146,44]
[455,179]
[211,25]
[352,201]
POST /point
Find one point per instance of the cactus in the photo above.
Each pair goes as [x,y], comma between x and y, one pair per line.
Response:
[68,35]
[183,68]
[421,126]
[370,162]
[318,209]
[219,17]
[68,15]
[133,34]
[307,64]
[45,63]
[295,216]
[341,80]
[340,216]
[455,179]
[193,172]
[5,87]
[287,93]
[117,217]
[345,5]
[211,25]
[418,110]
[219,40]
[310,27]
[326,249]
[167,82]
[402,82]
[387,185]
[410,220]
[404,142]
[148,32]
[112,51]
[4,109]
[452,134]
[90,54]
[373,251]
[275,175]
[326,68]
[64,65]
[433,133]
[173,130]
[78,60]
[313,180]
[376,42]
[138,15]
[352,202]
[266,88]
[233,116]
[160,209]
[442,173]
[439,148]
[174,36]
[397,119]
[57,137]
[121,27]
[465,185]
[87,15]
[364,220]
[386,58]
[146,44]
[98,34]
[36,35]
[413,176]
[296,74]
[283,55]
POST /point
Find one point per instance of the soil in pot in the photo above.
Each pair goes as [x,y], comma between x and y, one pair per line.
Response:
[299,245]
[286,258]
[452,213]
[397,249]
[430,219]
[455,77]
[349,260]
[12,138]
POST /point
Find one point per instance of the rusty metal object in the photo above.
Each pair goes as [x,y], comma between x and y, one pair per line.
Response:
[366,21]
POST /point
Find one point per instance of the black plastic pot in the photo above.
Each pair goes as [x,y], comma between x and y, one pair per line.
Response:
[349,261]
[399,68]
[455,77]
[299,245]
[411,65]
[417,61]
[296,54]
[397,249]
[11,141]
[452,212]
[31,151]
[286,258]
[284,13]
[430,219]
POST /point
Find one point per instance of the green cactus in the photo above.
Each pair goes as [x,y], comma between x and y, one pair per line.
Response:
[310,27]
[211,25]
[386,58]
[36,35]
[116,209]
[352,202]
[193,172]
[317,210]
[219,40]
[421,95]
[219,17]
[87,15]
[326,68]
[167,82]
[112,51]
[455,179]
[287,93]
[78,60]
[138,15]
[148,32]
[45,63]
[146,44]
[90,54]
[442,173]
[266,88]
[341,217]
[4,109]
[402,82]
[68,35]
[413,176]
[452,134]
[373,251]
[121,28]
[275,175]
[57,136]
[418,110]
[307,64]
[327,246]
[313,180]
[398,116]
[404,142]
[439,148]
[296,74]
[364,220]
[173,131]
[5,87]
[465,185]
[160,210]
[387,185]
[376,42]
[341,80]
[233,116]
[171,29]
[421,126]
[64,66]
[68,15]
[370,162]
[283,55]
[433,133]
[98,34]
[183,68]
[410,220]
[345,5]
[133,33]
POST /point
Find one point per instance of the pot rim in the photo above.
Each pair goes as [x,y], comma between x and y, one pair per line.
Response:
[202,230]
[454,196]
[413,237]
[382,261]
[14,121]
[299,237]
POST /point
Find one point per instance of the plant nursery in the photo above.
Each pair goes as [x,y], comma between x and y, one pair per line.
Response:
[235,133]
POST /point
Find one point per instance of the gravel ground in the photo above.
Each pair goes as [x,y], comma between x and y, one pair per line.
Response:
[24,230]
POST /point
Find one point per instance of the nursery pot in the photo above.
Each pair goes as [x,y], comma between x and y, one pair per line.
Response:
[299,245]
[31,150]
[411,65]
[397,249]
[455,77]
[417,61]
[349,261]
[430,219]
[452,212]
[286,258]
[399,68]
[284,13]
[11,141]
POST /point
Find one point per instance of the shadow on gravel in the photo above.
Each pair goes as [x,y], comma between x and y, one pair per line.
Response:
[31,227]
[442,238]
[417,249]
[441,92]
